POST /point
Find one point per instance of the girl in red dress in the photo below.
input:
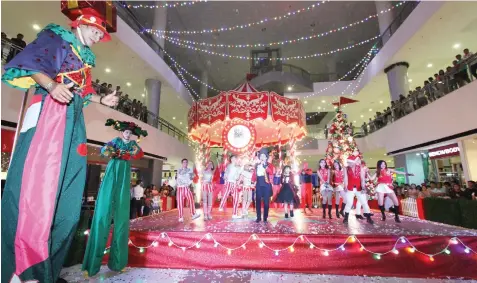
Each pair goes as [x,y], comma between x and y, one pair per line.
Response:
[338,181]
[385,186]
[325,189]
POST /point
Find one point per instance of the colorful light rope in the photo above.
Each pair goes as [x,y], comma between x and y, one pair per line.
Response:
[280,58]
[291,41]
[242,26]
[165,5]
[304,239]
[187,85]
[191,75]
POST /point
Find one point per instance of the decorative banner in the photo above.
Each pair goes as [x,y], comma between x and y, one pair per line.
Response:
[239,137]
[212,109]
[285,109]
[248,106]
[192,116]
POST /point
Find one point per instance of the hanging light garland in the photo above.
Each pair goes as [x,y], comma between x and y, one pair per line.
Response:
[187,85]
[243,26]
[280,58]
[291,41]
[165,5]
[304,240]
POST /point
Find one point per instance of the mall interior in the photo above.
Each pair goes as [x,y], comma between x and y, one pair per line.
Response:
[411,66]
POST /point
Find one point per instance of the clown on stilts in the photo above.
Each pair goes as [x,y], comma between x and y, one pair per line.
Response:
[113,200]
[47,174]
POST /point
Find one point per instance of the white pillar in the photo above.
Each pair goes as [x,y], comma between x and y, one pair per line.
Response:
[203,88]
[160,23]
[398,79]
[384,19]
[468,157]
[153,95]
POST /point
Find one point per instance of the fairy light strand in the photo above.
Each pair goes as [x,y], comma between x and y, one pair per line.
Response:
[186,83]
[303,239]
[243,26]
[284,42]
[298,57]
[165,5]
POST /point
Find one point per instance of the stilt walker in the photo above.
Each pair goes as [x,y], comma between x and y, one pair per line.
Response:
[51,148]
[113,200]
[338,181]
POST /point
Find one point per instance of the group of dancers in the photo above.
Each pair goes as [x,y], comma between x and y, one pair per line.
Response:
[343,182]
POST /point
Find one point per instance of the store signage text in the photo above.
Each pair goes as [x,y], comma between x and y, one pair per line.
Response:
[450,150]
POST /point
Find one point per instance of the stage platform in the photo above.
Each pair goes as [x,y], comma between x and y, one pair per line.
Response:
[305,244]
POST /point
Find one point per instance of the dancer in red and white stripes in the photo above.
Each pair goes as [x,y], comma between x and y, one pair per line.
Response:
[207,190]
[184,180]
[231,176]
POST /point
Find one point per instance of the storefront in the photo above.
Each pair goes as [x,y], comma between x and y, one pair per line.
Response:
[445,164]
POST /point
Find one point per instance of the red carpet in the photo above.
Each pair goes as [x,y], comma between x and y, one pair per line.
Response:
[280,233]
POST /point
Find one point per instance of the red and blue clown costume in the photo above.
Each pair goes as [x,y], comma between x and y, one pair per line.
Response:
[42,199]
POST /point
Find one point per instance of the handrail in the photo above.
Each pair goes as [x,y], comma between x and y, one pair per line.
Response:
[10,50]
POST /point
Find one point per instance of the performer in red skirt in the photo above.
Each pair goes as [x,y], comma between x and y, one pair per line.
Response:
[307,188]
[325,189]
[385,181]
[338,181]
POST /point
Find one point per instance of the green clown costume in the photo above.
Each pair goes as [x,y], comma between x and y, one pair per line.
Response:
[113,201]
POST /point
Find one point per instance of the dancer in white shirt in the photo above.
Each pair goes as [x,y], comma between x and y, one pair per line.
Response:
[245,181]
[184,180]
[231,176]
[207,190]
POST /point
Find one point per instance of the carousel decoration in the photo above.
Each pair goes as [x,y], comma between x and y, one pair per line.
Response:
[243,120]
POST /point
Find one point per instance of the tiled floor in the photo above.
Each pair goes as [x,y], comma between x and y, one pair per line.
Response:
[144,275]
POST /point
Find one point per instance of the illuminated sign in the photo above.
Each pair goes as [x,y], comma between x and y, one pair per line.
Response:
[444,151]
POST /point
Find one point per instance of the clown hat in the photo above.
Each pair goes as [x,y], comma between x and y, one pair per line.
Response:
[92,20]
[124,125]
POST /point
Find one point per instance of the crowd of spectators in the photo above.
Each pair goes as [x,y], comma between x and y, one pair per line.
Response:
[449,190]
[463,68]
[11,46]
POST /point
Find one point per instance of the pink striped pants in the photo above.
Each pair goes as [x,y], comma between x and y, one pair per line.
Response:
[184,192]
[230,188]
[207,198]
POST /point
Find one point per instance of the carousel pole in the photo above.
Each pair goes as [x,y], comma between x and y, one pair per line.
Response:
[21,118]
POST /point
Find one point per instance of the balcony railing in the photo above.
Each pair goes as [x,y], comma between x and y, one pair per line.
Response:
[10,50]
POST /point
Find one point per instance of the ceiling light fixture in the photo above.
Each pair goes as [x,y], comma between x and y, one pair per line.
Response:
[323,101]
[429,65]
[456,46]
[290,88]
[362,116]
[173,118]
[36,27]
[409,80]
[107,70]
[306,101]
[143,95]
[381,102]
[370,109]
[128,84]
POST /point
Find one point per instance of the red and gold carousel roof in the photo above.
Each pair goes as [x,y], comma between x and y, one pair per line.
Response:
[275,119]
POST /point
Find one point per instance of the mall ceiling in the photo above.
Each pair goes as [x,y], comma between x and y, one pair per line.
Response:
[225,73]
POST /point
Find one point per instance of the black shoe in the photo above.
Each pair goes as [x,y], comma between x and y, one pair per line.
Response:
[324,211]
[291,213]
[329,213]
[61,280]
[345,220]
[359,216]
[286,215]
[368,218]
[337,213]
[342,210]
[258,220]
[383,214]
[396,218]
[265,221]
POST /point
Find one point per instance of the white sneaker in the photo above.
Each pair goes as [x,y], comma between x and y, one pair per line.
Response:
[236,216]
[210,217]
[221,209]
[195,216]
[181,219]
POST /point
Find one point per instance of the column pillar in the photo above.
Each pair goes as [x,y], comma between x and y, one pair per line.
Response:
[331,66]
[400,162]
[160,23]
[156,168]
[398,80]
[384,19]
[203,88]
[153,95]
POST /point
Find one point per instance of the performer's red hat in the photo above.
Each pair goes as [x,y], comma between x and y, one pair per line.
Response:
[92,20]
[353,158]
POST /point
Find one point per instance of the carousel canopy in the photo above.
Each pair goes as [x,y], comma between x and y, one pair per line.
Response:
[245,118]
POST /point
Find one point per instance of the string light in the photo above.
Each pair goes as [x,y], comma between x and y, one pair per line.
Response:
[243,26]
[299,57]
[275,43]
[187,85]
[403,240]
[165,5]
[86,232]
[291,248]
